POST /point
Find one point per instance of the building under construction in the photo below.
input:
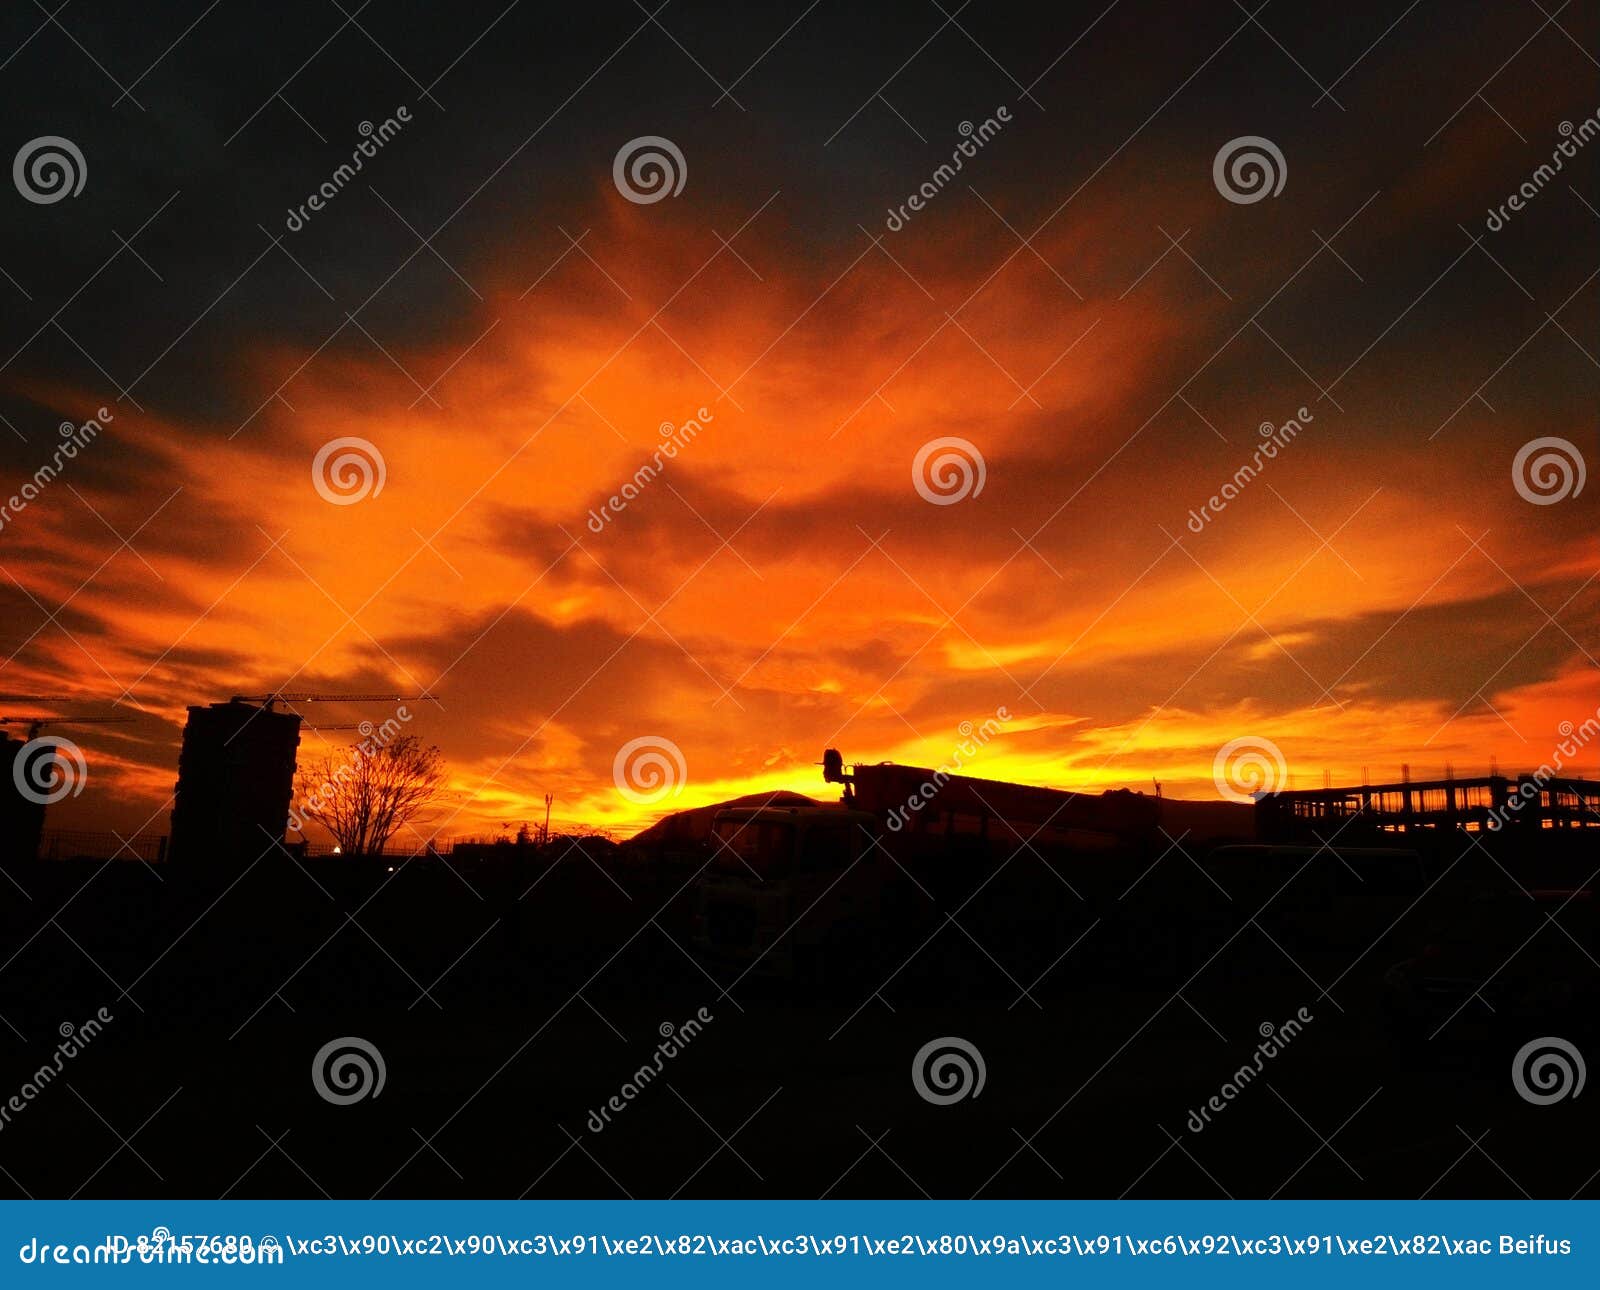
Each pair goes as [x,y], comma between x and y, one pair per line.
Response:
[235,782]
[1486,804]
[21,818]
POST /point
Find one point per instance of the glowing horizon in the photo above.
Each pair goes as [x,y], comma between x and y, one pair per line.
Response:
[1113,336]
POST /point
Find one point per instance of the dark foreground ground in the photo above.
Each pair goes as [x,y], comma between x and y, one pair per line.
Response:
[507,1012]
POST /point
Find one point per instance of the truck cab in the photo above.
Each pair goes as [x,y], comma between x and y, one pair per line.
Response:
[793,893]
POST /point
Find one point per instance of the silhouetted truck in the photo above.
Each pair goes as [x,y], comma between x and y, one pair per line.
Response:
[1001,872]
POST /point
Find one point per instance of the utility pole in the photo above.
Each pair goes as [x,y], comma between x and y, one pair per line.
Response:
[548,798]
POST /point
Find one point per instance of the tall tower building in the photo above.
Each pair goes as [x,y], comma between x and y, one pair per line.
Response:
[235,782]
[21,819]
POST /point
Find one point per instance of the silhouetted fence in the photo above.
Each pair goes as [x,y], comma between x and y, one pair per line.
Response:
[412,850]
[76,844]
[72,844]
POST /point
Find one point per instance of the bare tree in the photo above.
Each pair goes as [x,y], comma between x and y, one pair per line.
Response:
[366,794]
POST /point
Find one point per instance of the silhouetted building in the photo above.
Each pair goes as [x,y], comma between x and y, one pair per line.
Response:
[235,782]
[21,820]
[918,802]
[1485,804]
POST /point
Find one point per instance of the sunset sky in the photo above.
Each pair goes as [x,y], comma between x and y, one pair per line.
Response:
[1080,303]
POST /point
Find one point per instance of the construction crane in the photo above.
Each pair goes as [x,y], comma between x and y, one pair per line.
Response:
[36,724]
[282,696]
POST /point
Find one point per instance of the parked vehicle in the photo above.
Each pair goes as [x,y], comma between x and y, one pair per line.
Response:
[1515,964]
[1005,876]
[792,892]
